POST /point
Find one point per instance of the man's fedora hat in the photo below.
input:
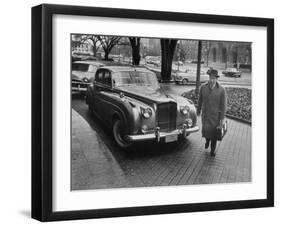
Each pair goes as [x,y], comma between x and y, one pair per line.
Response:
[213,72]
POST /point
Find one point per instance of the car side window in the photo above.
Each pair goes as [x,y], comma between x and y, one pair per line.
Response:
[92,68]
[99,76]
[107,78]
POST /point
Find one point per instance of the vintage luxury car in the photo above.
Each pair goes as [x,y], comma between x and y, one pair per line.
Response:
[232,72]
[82,73]
[189,76]
[130,101]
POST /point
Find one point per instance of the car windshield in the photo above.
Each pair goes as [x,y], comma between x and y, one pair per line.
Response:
[232,69]
[135,78]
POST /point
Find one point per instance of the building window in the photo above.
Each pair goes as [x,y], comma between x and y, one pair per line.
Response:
[224,55]
[234,57]
[214,54]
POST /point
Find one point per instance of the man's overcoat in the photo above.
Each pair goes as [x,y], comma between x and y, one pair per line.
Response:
[212,102]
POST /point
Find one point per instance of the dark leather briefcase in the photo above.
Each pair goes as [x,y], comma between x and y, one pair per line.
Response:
[221,130]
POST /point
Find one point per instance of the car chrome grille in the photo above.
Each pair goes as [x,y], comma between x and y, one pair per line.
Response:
[78,84]
[167,116]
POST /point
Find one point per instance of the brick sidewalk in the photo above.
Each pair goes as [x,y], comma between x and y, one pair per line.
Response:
[94,166]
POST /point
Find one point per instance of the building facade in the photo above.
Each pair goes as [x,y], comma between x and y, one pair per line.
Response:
[227,54]
[218,53]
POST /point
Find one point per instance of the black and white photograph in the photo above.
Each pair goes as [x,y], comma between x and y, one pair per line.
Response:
[150,112]
[140,112]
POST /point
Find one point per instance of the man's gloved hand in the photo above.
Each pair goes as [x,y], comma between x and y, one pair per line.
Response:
[222,122]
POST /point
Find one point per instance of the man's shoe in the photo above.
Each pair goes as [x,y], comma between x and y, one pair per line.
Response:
[213,154]
[207,144]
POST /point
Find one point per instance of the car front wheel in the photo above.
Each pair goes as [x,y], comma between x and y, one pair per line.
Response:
[185,81]
[119,134]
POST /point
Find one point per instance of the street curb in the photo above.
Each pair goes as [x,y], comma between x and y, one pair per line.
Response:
[221,82]
[97,156]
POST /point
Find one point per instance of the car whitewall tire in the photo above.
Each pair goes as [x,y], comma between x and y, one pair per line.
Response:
[185,81]
[118,136]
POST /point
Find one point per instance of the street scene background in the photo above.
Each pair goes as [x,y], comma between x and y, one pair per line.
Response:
[97,162]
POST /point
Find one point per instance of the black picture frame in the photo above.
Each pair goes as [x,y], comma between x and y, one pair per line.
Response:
[42,107]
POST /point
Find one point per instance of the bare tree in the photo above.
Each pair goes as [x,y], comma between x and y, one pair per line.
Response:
[93,41]
[168,47]
[107,43]
[135,44]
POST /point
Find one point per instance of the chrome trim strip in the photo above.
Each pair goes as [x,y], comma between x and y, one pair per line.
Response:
[152,136]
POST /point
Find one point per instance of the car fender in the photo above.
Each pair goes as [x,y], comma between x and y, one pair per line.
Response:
[125,110]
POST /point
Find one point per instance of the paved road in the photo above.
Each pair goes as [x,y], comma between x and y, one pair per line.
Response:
[149,164]
[244,81]
[180,89]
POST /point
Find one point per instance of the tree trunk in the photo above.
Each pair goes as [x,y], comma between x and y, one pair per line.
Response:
[106,53]
[135,44]
[136,56]
[208,52]
[198,67]
[168,47]
[94,49]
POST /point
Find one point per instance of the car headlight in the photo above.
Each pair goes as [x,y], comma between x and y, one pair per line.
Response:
[144,129]
[146,112]
[184,109]
[85,79]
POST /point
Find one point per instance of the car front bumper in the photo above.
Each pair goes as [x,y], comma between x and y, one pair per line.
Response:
[168,136]
[79,86]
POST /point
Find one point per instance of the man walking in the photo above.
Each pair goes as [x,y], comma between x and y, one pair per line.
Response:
[212,102]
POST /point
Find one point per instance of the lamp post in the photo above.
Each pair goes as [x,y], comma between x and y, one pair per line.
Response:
[118,47]
[178,56]
[198,66]
[144,53]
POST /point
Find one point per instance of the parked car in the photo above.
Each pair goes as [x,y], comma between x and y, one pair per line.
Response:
[157,71]
[232,72]
[179,63]
[82,56]
[82,73]
[130,102]
[154,60]
[189,76]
